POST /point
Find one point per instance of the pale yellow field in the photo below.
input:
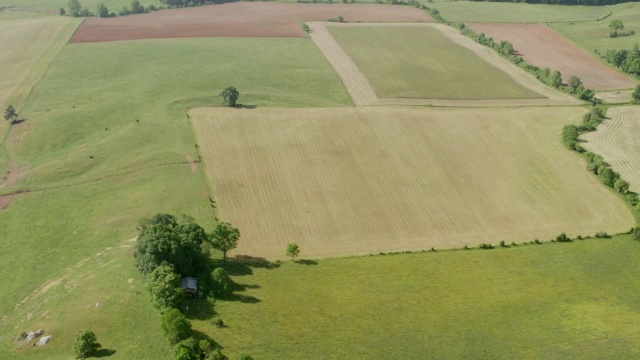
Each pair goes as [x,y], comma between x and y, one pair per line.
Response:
[28,45]
[363,180]
[617,141]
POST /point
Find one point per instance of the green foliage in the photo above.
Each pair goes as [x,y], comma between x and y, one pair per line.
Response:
[178,243]
[485,246]
[621,186]
[337,19]
[187,349]
[85,344]
[305,27]
[635,233]
[293,250]
[224,238]
[74,7]
[175,325]
[626,60]
[562,238]
[574,83]
[102,10]
[636,95]
[164,285]
[614,27]
[230,96]
[10,114]
[602,235]
[62,12]
[221,283]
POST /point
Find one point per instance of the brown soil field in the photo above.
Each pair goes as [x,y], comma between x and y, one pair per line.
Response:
[360,180]
[543,47]
[617,141]
[241,19]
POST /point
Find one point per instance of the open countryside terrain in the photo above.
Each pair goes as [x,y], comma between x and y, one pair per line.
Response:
[242,19]
[617,141]
[594,35]
[364,180]
[416,61]
[543,47]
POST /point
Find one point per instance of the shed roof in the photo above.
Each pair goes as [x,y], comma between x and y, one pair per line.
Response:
[189,283]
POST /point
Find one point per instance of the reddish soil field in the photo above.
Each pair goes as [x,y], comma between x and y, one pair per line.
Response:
[543,47]
[241,19]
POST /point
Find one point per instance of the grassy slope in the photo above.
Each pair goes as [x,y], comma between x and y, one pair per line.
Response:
[594,35]
[509,12]
[415,62]
[91,87]
[553,301]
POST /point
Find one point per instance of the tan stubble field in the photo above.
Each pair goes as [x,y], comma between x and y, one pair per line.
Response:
[364,180]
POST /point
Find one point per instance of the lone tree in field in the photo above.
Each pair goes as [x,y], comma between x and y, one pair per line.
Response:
[293,250]
[230,96]
[74,8]
[224,238]
[85,344]
[574,83]
[10,114]
[614,27]
[636,95]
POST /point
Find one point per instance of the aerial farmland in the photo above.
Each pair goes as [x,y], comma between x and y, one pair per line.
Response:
[439,180]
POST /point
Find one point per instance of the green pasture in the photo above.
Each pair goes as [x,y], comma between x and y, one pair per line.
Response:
[476,11]
[594,35]
[551,301]
[94,170]
[420,62]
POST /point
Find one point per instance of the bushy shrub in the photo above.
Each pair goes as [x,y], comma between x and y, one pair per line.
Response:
[602,235]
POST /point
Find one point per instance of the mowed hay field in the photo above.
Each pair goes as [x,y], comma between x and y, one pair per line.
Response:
[241,19]
[543,47]
[594,35]
[365,180]
[421,62]
[552,301]
[617,141]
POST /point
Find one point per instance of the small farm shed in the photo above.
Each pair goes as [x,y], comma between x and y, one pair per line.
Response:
[189,285]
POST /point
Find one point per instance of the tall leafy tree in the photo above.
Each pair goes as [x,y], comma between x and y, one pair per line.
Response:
[175,325]
[224,238]
[614,27]
[636,95]
[293,250]
[85,344]
[230,96]
[164,285]
[102,10]
[10,114]
[74,7]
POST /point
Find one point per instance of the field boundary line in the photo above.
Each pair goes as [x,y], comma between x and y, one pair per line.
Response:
[362,92]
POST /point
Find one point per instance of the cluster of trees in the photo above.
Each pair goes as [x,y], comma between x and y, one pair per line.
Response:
[76,10]
[565,2]
[625,60]
[170,248]
[336,19]
[193,3]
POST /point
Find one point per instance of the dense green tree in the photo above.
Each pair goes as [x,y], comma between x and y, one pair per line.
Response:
[607,176]
[574,83]
[102,10]
[293,250]
[621,186]
[62,12]
[230,96]
[221,283]
[85,344]
[636,233]
[555,79]
[636,95]
[178,243]
[136,8]
[164,285]
[10,114]
[74,7]
[187,349]
[224,238]
[614,27]
[175,325]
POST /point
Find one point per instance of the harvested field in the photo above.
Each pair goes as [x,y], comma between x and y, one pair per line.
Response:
[368,179]
[617,141]
[413,66]
[242,19]
[543,47]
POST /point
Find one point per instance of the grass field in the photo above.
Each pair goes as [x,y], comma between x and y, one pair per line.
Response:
[420,62]
[29,46]
[616,140]
[552,301]
[87,105]
[594,35]
[474,11]
[359,181]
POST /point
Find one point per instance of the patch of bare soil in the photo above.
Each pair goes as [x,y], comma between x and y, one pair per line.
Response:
[241,19]
[192,163]
[544,47]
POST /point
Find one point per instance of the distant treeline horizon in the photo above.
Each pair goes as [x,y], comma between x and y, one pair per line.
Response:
[566,2]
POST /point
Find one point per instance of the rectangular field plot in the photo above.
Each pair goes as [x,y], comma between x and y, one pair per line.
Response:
[362,180]
[421,62]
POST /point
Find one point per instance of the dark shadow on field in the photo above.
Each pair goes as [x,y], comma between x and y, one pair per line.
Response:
[18,121]
[243,106]
[199,335]
[307,262]
[241,265]
[235,288]
[199,309]
[103,353]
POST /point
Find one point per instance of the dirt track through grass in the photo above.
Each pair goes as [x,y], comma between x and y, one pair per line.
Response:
[617,141]
[363,94]
[369,179]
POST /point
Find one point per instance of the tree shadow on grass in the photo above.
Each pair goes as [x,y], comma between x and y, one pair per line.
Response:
[307,262]
[234,295]
[242,265]
[199,335]
[103,353]
[199,309]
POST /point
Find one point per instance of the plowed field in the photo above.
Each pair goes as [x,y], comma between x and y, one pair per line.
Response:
[543,47]
[242,19]
[362,180]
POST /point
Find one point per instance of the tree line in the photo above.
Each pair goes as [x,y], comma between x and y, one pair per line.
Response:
[627,60]
[76,10]
[566,2]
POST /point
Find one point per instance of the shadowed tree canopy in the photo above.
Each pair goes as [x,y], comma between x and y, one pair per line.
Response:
[230,96]
[224,238]
[165,239]
[10,114]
